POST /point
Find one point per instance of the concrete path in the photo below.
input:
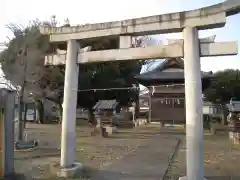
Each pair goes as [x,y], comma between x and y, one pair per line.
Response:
[148,162]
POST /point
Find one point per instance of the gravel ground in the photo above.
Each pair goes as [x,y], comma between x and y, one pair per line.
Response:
[93,151]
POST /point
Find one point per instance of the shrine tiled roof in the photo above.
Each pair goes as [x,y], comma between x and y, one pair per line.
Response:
[156,74]
[166,72]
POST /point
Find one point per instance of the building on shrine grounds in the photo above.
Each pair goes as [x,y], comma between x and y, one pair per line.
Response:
[166,91]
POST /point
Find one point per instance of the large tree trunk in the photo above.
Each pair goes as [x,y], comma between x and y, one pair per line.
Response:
[91,117]
[225,114]
[25,114]
[60,112]
[21,95]
[59,107]
[35,114]
[40,112]
[20,111]
[222,121]
[137,105]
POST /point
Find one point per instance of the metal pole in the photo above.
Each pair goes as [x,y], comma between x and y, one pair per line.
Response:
[194,110]
[9,133]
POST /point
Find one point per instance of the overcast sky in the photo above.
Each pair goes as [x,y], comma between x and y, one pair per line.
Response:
[92,11]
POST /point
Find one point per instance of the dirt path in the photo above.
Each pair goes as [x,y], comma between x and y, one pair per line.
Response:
[149,162]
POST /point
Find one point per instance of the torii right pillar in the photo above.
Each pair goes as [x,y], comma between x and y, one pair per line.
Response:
[193,96]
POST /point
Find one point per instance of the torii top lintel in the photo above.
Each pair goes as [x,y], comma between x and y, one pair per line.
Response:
[203,18]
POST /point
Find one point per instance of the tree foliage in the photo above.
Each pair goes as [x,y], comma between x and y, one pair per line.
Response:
[107,76]
[23,65]
[23,61]
[225,85]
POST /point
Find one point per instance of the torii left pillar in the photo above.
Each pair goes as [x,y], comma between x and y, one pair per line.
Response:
[68,166]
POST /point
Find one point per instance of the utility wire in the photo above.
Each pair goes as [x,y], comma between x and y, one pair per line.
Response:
[125,88]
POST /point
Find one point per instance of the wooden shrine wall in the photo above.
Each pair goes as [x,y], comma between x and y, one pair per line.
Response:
[168,108]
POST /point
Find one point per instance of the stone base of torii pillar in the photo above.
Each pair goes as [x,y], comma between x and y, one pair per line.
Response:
[71,172]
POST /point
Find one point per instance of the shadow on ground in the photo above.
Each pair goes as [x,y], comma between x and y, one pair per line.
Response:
[146,135]
[38,153]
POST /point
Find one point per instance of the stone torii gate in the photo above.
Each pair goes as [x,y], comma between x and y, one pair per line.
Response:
[190,48]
